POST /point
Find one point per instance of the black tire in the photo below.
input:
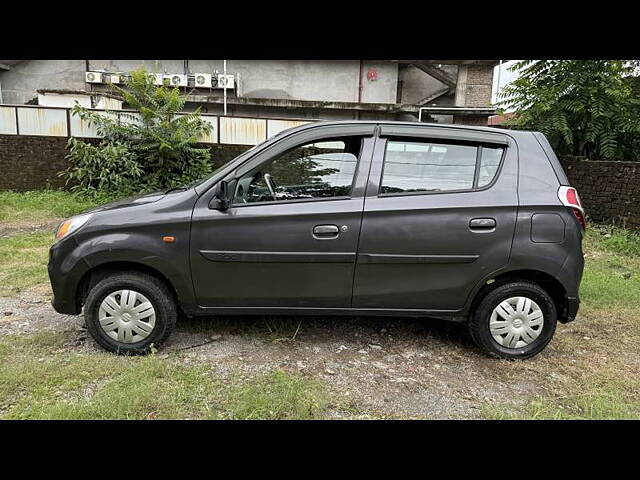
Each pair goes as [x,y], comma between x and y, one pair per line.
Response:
[156,292]
[479,320]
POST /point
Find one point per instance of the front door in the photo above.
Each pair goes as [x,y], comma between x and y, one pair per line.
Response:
[290,237]
[439,216]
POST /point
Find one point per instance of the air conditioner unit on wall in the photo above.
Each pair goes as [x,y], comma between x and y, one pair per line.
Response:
[204,80]
[157,78]
[225,81]
[176,80]
[93,77]
[114,78]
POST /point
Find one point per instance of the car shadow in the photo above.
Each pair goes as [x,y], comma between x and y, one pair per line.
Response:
[329,328]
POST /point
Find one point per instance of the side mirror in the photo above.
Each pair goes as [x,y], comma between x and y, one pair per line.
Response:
[221,199]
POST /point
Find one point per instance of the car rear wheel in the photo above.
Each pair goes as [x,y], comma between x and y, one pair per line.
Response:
[515,320]
[129,313]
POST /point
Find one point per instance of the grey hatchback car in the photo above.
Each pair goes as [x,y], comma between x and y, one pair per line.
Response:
[469,224]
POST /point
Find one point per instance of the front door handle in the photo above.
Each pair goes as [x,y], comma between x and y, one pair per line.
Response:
[482,223]
[326,231]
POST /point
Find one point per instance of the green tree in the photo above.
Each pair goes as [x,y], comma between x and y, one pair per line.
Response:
[155,149]
[584,107]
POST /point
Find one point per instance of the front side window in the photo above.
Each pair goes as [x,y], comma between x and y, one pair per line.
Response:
[414,166]
[322,169]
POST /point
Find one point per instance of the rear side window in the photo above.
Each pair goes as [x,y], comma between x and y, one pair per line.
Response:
[489,163]
[415,166]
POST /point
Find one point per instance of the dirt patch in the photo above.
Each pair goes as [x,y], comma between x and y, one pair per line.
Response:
[26,226]
[372,366]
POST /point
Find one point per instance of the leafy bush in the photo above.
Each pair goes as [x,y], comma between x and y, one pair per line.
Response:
[155,149]
[108,167]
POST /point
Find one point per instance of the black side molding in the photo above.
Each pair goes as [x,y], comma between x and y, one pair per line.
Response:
[278,257]
[390,258]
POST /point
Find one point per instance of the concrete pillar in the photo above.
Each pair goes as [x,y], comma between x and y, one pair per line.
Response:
[461,86]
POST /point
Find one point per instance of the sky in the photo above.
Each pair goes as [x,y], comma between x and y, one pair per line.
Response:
[505,75]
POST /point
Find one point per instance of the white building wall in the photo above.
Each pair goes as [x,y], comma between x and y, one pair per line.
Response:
[313,80]
[19,84]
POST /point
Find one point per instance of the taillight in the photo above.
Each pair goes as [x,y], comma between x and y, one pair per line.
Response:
[570,198]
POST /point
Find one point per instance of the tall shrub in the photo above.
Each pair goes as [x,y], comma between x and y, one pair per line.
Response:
[155,149]
[584,107]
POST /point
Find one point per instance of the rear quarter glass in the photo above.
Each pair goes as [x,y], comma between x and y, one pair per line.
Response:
[538,181]
[553,159]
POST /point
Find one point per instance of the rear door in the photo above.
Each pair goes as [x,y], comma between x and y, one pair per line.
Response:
[289,239]
[439,216]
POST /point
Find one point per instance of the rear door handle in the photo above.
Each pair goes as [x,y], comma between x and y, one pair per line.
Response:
[326,231]
[482,223]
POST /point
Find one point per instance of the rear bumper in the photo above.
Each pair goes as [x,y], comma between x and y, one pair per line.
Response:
[68,307]
[572,304]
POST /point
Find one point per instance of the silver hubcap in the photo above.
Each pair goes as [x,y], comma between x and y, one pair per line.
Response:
[127,316]
[516,322]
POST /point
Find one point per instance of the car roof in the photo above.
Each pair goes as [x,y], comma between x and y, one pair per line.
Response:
[502,131]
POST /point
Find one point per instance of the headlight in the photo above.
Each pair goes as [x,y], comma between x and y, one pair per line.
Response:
[69,226]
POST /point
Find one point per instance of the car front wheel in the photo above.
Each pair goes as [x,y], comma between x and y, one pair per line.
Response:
[129,313]
[515,320]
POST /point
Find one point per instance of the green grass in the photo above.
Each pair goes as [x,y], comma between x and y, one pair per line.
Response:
[43,205]
[42,377]
[23,261]
[610,308]
[279,395]
[611,277]
[613,239]
[597,397]
[610,283]
[24,256]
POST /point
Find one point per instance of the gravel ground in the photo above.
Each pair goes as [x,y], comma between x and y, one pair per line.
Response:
[26,226]
[373,367]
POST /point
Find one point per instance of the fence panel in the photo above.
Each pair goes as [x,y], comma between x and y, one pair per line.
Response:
[59,122]
[47,122]
[276,126]
[242,131]
[8,123]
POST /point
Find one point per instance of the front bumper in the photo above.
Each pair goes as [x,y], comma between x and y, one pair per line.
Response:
[65,272]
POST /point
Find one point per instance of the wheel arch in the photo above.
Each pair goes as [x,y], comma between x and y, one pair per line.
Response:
[98,272]
[548,282]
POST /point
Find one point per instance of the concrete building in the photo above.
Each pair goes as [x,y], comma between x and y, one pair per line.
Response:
[443,91]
